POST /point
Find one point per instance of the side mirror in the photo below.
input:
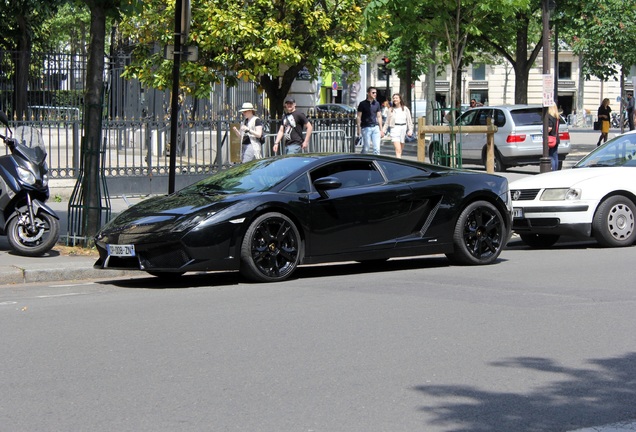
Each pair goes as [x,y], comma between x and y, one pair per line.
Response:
[324,184]
[4,119]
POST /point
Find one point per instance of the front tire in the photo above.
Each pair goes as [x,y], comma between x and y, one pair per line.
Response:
[480,235]
[614,224]
[271,249]
[33,241]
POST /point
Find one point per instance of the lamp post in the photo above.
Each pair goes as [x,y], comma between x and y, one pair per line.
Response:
[545,164]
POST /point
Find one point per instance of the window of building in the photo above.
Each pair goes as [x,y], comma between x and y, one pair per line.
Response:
[479,72]
[565,70]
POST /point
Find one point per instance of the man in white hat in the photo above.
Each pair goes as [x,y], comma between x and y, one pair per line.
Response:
[250,133]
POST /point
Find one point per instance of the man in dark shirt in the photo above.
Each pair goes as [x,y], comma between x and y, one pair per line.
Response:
[292,129]
[370,122]
[630,111]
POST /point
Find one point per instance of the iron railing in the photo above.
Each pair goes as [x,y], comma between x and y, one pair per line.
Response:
[141,147]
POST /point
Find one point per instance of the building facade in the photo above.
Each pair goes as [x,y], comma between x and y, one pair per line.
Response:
[495,85]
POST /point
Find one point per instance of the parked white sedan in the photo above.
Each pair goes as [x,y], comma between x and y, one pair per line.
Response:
[596,198]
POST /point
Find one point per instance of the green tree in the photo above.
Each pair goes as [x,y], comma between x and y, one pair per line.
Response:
[90,187]
[264,41]
[603,32]
[22,26]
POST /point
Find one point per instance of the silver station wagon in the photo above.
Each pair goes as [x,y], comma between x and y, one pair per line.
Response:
[518,141]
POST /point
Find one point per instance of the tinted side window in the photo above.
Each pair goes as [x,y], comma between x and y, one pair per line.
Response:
[397,171]
[527,117]
[482,120]
[499,118]
[350,173]
[468,118]
[300,185]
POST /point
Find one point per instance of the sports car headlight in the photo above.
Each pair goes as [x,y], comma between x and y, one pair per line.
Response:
[193,221]
[26,176]
[561,194]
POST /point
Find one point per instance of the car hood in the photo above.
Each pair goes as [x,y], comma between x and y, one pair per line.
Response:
[161,213]
[567,178]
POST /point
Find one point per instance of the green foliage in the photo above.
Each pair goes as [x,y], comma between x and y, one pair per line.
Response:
[604,33]
[248,40]
[68,29]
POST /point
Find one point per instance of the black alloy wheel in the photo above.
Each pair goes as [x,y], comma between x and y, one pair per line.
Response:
[480,235]
[271,248]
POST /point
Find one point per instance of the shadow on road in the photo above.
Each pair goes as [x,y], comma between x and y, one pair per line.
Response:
[214,279]
[596,395]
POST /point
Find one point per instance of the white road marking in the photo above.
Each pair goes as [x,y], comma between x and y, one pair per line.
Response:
[59,295]
[614,427]
[72,285]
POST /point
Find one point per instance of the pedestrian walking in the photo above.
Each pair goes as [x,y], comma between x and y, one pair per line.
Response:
[250,134]
[401,124]
[553,130]
[630,110]
[369,122]
[603,115]
[291,130]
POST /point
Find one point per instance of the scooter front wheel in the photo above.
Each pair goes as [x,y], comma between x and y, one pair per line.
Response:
[36,240]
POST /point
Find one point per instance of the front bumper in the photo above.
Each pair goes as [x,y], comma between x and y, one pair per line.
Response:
[574,219]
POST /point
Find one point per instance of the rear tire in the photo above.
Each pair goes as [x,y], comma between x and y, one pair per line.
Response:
[539,241]
[271,248]
[614,224]
[436,154]
[499,165]
[480,235]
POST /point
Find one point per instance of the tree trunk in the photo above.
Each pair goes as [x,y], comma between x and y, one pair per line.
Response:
[277,89]
[22,61]
[91,144]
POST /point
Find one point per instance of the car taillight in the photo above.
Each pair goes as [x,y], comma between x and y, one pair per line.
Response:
[564,136]
[513,138]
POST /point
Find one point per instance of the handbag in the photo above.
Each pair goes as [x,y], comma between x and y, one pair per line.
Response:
[552,139]
[597,125]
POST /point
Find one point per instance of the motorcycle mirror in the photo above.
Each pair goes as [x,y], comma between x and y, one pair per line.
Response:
[4,119]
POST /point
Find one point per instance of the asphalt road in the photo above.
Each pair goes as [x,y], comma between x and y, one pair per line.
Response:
[541,341]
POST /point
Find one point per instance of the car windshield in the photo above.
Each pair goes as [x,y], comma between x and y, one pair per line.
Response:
[620,151]
[256,176]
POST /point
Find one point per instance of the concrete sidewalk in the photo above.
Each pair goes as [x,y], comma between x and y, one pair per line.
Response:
[61,263]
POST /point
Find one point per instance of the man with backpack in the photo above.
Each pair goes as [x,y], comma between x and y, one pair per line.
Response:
[292,129]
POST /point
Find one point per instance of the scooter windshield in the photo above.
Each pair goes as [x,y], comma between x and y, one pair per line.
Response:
[30,143]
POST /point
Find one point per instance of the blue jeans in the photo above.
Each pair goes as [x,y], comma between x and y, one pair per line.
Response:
[292,148]
[554,158]
[371,138]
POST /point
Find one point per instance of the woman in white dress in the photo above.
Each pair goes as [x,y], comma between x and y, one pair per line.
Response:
[401,124]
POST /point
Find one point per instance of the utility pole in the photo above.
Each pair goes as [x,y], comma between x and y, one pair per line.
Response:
[545,164]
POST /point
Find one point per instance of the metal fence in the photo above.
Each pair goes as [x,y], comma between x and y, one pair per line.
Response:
[136,124]
[142,148]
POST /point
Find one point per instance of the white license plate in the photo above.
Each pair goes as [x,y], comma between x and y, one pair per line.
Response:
[121,250]
[537,138]
[517,213]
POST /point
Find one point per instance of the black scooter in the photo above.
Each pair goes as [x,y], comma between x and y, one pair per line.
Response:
[31,227]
